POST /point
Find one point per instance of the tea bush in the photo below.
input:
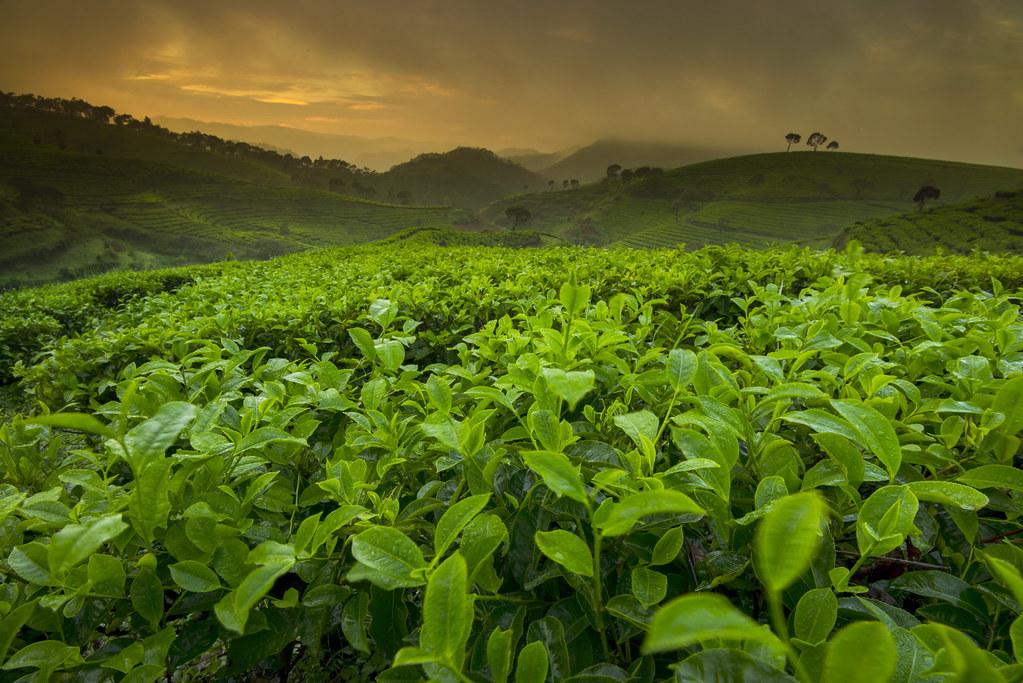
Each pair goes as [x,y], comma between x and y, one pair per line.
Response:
[477,464]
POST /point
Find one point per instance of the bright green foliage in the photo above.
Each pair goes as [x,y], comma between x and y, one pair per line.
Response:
[468,464]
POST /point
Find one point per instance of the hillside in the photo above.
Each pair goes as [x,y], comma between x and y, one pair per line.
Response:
[802,197]
[65,213]
[993,224]
[589,164]
[465,177]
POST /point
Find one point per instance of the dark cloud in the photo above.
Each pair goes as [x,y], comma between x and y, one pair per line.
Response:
[928,77]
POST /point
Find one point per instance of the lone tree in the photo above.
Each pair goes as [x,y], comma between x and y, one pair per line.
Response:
[612,171]
[792,139]
[924,193]
[816,140]
[832,146]
[518,215]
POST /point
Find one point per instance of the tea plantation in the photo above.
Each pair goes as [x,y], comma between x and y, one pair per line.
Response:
[412,462]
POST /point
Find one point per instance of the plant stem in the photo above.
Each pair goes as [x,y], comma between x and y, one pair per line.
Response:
[893,560]
[781,629]
[598,600]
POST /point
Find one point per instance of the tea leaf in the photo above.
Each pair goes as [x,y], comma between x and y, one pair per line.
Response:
[194,576]
[392,554]
[566,549]
[570,386]
[532,664]
[848,660]
[787,539]
[993,477]
[625,514]
[557,473]
[816,614]
[874,431]
[949,493]
[454,520]
[693,617]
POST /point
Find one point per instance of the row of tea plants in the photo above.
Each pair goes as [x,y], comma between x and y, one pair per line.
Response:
[413,463]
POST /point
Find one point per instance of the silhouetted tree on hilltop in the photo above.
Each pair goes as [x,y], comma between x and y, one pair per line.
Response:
[792,139]
[832,146]
[816,140]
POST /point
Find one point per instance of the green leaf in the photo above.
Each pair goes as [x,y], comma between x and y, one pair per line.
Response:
[1009,402]
[787,539]
[148,505]
[1016,635]
[567,549]
[532,664]
[146,595]
[558,473]
[885,519]
[822,422]
[76,542]
[499,655]
[862,652]
[625,514]
[77,421]
[234,608]
[11,624]
[993,477]
[668,546]
[815,616]
[106,574]
[688,619]
[260,438]
[949,493]
[194,576]
[574,298]
[439,393]
[391,353]
[46,655]
[649,586]
[874,431]
[364,341]
[392,554]
[570,386]
[151,439]
[29,561]
[447,612]
[637,425]
[454,520]
[546,427]
[680,368]
[728,666]
[551,633]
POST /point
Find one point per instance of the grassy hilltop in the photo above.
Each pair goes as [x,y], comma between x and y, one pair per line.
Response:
[802,197]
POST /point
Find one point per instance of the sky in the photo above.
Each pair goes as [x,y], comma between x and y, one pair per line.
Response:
[931,78]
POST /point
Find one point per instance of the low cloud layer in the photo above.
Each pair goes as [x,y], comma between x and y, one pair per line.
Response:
[936,78]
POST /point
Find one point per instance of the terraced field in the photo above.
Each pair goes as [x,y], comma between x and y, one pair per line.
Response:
[806,198]
[55,203]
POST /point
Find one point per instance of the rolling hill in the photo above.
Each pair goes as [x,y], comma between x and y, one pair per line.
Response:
[994,224]
[589,163]
[802,197]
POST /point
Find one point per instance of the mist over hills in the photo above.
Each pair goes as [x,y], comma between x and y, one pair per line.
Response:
[378,154]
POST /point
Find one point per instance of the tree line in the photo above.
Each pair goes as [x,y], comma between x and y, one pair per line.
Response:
[815,140]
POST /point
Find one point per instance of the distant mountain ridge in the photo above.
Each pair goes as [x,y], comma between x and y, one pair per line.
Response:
[378,154]
[589,163]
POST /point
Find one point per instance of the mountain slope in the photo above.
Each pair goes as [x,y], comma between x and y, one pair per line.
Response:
[805,197]
[993,224]
[65,214]
[466,177]
[589,163]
